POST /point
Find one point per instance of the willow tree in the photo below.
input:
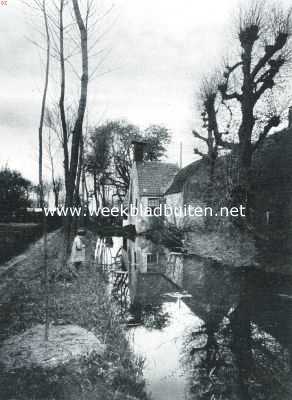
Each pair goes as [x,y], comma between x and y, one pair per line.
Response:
[216,118]
[251,82]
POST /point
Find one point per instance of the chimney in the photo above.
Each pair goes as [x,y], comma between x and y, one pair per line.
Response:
[290,117]
[138,150]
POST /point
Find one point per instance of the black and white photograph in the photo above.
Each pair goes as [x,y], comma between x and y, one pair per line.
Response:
[146,200]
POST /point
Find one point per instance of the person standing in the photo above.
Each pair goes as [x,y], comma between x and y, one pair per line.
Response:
[78,249]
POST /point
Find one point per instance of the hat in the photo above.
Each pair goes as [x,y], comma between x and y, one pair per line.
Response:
[81,231]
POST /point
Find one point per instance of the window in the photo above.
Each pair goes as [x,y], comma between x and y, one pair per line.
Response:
[153,202]
[152,258]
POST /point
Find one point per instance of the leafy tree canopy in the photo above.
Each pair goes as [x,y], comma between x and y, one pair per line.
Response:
[109,155]
[14,192]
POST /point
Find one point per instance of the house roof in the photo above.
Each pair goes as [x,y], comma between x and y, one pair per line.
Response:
[182,176]
[155,177]
[271,164]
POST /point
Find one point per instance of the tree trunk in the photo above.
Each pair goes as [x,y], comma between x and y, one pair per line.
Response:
[62,98]
[79,173]
[245,145]
[84,198]
[55,188]
[41,185]
[56,196]
[242,339]
[78,126]
[71,165]
[77,130]
[67,219]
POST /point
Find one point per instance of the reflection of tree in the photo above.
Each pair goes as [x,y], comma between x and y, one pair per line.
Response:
[210,357]
[151,316]
[242,340]
[235,360]
[270,377]
[262,363]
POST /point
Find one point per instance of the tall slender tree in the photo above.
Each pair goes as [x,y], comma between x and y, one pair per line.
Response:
[78,126]
[41,184]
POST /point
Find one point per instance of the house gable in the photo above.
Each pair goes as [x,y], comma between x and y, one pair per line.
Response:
[154,178]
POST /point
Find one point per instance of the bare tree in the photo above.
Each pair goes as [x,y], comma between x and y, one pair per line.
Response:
[42,7]
[249,82]
[211,105]
[78,127]
[57,182]
[64,125]
[70,40]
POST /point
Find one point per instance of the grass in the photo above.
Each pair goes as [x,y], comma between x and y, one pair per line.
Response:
[15,238]
[83,300]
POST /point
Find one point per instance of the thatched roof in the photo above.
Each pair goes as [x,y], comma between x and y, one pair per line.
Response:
[183,175]
[272,164]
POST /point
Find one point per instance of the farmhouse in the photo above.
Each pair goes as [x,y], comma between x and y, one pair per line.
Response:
[148,184]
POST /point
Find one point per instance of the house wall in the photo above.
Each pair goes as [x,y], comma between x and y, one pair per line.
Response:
[133,193]
[143,223]
[136,199]
[179,200]
[172,201]
[141,247]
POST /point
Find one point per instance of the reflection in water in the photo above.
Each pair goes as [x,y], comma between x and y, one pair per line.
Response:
[151,316]
[231,340]
[209,358]
[239,360]
[162,348]
[220,370]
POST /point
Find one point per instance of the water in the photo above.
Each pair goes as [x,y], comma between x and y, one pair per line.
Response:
[162,349]
[230,339]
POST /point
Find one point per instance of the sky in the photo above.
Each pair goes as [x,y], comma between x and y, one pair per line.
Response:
[158,51]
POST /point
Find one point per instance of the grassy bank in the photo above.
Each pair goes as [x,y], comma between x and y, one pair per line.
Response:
[16,237]
[82,300]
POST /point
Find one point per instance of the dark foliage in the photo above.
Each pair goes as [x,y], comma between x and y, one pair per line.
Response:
[14,193]
[109,156]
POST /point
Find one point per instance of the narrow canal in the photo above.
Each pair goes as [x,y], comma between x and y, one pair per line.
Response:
[218,334]
[162,348]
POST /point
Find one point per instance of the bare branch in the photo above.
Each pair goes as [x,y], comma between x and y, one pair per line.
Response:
[197,135]
[268,76]
[272,123]
[199,153]
[230,96]
[224,143]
